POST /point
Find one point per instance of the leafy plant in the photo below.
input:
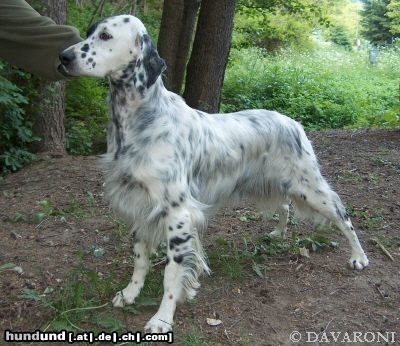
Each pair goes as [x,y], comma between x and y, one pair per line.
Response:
[227,259]
[87,115]
[329,88]
[376,22]
[7,266]
[15,130]
[316,242]
[339,36]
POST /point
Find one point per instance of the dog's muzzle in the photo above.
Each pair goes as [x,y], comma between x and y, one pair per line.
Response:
[67,58]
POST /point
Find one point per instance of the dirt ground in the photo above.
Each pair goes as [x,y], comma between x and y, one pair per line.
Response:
[293,293]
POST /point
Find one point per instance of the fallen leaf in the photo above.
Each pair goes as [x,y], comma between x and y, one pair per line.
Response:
[304,252]
[257,270]
[17,269]
[213,322]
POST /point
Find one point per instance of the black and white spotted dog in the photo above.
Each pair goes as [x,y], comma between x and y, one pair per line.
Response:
[169,166]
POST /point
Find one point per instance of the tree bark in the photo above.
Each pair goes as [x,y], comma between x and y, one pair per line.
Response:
[175,38]
[49,122]
[132,9]
[206,67]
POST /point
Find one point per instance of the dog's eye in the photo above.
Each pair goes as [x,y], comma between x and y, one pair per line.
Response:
[105,36]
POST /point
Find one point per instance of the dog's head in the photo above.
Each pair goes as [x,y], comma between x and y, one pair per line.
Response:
[114,45]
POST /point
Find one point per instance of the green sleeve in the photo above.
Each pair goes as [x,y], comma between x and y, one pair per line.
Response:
[31,41]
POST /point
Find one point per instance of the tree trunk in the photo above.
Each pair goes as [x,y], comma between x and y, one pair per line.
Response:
[190,11]
[50,114]
[145,7]
[50,118]
[206,67]
[175,38]
[132,9]
[168,38]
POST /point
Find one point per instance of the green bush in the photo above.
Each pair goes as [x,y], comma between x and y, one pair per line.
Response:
[340,36]
[87,114]
[324,88]
[15,129]
[272,31]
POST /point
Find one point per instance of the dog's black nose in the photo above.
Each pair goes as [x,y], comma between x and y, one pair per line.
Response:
[66,57]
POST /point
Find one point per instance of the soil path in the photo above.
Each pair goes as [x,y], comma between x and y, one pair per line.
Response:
[290,292]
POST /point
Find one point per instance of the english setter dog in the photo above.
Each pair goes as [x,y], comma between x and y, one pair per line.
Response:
[168,166]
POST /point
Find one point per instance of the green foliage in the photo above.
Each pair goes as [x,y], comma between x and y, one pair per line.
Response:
[345,14]
[316,242]
[15,130]
[375,22]
[75,209]
[270,31]
[393,13]
[274,24]
[308,8]
[87,114]
[83,301]
[227,259]
[324,88]
[7,266]
[340,36]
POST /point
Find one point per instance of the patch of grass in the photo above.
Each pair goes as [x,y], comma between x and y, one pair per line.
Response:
[47,209]
[380,161]
[272,246]
[367,219]
[76,209]
[84,302]
[374,179]
[193,337]
[316,242]
[294,83]
[227,259]
[11,194]
[245,215]
[232,260]
[152,290]
[349,177]
[393,242]
[121,230]
[244,340]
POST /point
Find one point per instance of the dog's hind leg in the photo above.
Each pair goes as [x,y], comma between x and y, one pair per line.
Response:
[321,201]
[281,228]
[142,266]
[184,263]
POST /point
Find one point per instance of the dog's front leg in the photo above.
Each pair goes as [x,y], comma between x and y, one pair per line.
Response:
[142,265]
[180,277]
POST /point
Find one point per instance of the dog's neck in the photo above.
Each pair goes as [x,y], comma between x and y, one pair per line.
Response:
[129,90]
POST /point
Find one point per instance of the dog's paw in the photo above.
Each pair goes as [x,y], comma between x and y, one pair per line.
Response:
[358,261]
[277,234]
[123,298]
[158,325]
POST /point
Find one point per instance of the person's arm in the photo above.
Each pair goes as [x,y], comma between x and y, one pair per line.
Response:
[31,41]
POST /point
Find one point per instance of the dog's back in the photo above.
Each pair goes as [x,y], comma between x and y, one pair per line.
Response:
[168,165]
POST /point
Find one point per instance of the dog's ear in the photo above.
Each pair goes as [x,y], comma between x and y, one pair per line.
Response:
[152,63]
[92,29]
